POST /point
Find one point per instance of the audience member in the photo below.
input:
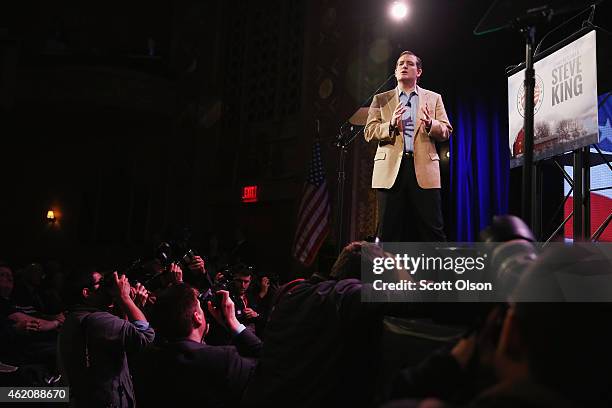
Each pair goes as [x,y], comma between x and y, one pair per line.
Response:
[27,294]
[26,339]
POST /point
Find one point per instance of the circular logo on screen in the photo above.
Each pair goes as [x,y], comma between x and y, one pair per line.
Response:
[538,97]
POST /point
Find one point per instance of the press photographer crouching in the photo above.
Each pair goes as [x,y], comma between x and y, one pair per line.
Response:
[94,343]
[184,369]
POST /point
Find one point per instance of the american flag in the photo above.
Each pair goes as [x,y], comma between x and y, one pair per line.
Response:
[313,216]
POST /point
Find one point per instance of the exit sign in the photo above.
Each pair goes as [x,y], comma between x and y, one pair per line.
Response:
[249,194]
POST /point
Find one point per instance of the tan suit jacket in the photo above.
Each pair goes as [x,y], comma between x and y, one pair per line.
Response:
[391,145]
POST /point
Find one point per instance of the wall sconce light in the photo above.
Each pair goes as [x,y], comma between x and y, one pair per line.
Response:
[51,216]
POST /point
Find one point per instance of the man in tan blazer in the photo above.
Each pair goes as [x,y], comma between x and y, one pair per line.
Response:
[406,122]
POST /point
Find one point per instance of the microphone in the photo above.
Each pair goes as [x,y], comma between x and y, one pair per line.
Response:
[340,138]
[408,102]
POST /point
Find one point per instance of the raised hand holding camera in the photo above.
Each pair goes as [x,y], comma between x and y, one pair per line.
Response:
[197,265]
[224,313]
[265,286]
[120,289]
[176,273]
[140,294]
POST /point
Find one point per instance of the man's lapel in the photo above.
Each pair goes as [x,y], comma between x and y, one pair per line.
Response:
[423,94]
[393,102]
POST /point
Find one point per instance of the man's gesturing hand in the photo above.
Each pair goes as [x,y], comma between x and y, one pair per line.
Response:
[427,116]
[396,119]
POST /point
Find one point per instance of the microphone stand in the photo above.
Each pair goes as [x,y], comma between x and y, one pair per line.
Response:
[526,26]
[342,141]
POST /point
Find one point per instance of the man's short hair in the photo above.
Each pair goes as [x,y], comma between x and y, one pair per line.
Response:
[354,258]
[173,311]
[419,63]
[76,282]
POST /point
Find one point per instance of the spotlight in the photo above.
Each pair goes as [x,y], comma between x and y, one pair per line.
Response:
[398,10]
[448,154]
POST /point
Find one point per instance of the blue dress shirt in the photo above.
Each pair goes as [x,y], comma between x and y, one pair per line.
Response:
[409,118]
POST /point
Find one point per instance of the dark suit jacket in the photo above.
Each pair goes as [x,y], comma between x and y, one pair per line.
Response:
[182,372]
[321,348]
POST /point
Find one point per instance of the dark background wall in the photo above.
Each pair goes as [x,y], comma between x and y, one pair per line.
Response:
[131,118]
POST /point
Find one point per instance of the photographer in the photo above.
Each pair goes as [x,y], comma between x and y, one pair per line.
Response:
[93,343]
[264,289]
[243,298]
[185,369]
[237,281]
